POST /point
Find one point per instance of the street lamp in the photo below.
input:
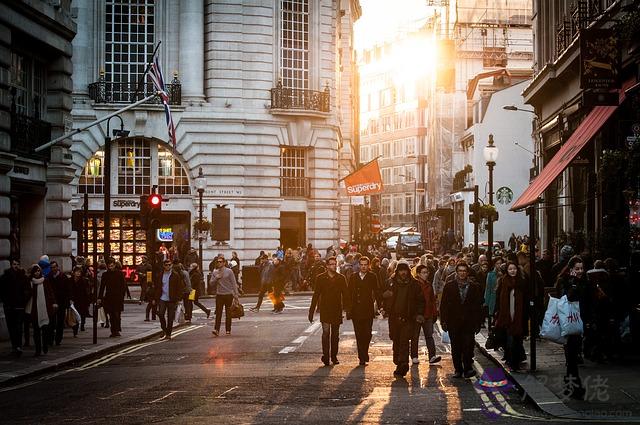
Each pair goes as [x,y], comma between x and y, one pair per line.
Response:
[490,156]
[515,108]
[201,184]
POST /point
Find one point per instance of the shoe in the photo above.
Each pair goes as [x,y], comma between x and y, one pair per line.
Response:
[208,313]
[187,322]
[399,373]
[362,363]
[415,360]
[469,374]
[167,338]
[458,374]
[147,320]
[252,309]
[435,359]
[118,334]
[215,332]
[325,361]
[228,332]
[278,311]
[335,361]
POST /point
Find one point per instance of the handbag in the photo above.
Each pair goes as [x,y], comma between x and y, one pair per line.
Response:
[237,310]
[102,316]
[550,328]
[75,313]
[445,338]
[70,318]
[180,314]
[192,295]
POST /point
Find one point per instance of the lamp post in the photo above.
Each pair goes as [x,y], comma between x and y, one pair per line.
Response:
[490,156]
[201,184]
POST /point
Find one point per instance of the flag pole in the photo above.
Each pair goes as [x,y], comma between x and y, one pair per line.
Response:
[141,80]
[360,167]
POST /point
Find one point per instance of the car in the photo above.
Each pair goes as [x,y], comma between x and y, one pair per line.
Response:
[409,245]
[392,242]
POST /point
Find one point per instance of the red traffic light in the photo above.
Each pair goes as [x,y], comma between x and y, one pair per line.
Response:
[154,200]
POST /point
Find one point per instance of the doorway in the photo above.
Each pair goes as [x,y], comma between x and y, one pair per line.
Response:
[293,229]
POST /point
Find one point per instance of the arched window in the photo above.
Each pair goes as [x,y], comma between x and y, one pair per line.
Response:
[172,177]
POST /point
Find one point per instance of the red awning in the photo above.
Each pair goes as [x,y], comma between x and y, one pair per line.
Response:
[580,137]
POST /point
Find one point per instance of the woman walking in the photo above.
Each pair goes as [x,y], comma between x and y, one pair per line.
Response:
[80,297]
[40,307]
[197,283]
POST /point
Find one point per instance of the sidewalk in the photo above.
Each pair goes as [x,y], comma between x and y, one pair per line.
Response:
[134,329]
[612,389]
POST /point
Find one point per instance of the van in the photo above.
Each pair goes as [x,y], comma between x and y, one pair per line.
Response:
[409,245]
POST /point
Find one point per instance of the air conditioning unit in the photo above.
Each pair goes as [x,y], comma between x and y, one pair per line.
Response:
[456,197]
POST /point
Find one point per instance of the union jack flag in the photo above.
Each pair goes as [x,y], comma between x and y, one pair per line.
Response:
[158,82]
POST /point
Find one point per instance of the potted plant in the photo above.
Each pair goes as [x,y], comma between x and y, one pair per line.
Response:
[201,227]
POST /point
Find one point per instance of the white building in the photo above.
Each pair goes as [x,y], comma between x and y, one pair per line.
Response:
[260,105]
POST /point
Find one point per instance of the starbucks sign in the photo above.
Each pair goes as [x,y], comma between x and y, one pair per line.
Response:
[504,195]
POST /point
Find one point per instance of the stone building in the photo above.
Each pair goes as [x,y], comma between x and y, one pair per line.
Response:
[260,94]
[35,106]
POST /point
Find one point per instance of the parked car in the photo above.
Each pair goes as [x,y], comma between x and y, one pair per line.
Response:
[409,245]
[392,242]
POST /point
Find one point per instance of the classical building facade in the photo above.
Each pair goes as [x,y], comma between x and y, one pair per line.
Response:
[261,100]
[35,106]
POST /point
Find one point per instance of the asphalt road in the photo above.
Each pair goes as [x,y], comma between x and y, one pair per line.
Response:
[267,371]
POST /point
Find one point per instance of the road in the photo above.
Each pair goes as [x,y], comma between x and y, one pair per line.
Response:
[267,371]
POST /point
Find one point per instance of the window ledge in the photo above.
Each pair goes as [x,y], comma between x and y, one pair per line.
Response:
[300,113]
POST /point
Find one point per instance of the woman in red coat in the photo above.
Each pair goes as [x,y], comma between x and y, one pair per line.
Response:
[430,317]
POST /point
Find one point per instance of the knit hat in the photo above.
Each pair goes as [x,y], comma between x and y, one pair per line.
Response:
[402,264]
[566,251]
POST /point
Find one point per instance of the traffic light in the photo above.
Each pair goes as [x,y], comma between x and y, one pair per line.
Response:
[474,213]
[154,204]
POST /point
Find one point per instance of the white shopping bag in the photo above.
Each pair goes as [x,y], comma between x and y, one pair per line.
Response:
[102,316]
[570,319]
[75,313]
[180,314]
[445,338]
[550,328]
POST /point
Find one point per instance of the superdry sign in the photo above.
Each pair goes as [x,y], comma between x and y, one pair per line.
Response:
[365,181]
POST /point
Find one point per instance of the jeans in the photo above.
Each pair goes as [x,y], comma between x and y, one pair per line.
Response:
[40,337]
[169,308]
[330,340]
[402,333]
[362,329]
[263,291]
[115,318]
[188,307]
[151,308]
[223,301]
[427,328]
[462,345]
[15,317]
[57,329]
[571,354]
[514,351]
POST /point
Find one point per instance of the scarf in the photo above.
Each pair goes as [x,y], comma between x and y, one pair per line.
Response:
[41,302]
[515,326]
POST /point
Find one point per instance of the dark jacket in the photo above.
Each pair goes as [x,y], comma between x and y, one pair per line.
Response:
[112,290]
[176,287]
[362,293]
[457,316]
[61,285]
[332,295]
[406,301]
[15,289]
[81,295]
[580,290]
[197,281]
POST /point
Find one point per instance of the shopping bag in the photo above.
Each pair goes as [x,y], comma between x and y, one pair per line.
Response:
[102,316]
[75,313]
[570,320]
[237,310]
[70,318]
[192,295]
[550,328]
[180,314]
[445,338]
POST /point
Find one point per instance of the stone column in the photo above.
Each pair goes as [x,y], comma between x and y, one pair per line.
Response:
[192,50]
[59,170]
[6,158]
[83,49]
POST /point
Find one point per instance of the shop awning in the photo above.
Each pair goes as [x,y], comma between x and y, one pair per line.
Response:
[580,137]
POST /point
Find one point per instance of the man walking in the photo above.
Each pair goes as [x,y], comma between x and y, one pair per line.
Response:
[332,294]
[363,290]
[61,285]
[226,291]
[461,315]
[405,305]
[15,291]
[267,268]
[111,295]
[169,289]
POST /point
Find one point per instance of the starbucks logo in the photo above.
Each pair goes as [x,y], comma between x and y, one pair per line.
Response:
[504,195]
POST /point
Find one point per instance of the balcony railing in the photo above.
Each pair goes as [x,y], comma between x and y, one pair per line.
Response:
[27,133]
[295,187]
[299,99]
[107,92]
[583,12]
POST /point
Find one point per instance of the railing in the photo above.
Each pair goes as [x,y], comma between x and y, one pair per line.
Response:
[107,92]
[295,187]
[299,99]
[583,12]
[27,133]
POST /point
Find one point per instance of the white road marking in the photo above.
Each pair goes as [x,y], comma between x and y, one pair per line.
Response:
[286,350]
[300,339]
[313,327]
[228,391]
[116,394]
[165,396]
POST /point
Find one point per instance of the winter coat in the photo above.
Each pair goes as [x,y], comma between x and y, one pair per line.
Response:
[413,305]
[15,289]
[363,293]
[332,294]
[197,281]
[430,303]
[50,299]
[490,291]
[81,295]
[516,326]
[176,287]
[61,285]
[112,290]
[458,316]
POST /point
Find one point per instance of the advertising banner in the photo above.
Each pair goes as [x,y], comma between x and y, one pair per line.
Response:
[365,181]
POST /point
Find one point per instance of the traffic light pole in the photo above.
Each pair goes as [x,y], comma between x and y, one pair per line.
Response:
[475,224]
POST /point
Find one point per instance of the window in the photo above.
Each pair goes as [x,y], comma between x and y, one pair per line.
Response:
[134,167]
[385,202]
[28,81]
[172,177]
[398,175]
[387,123]
[398,148]
[386,150]
[408,203]
[293,180]
[91,177]
[386,176]
[410,172]
[294,44]
[129,42]
[364,154]
[386,97]
[375,151]
[127,240]
[398,204]
[410,144]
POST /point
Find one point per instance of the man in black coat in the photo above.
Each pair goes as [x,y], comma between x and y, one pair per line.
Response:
[332,295]
[461,315]
[363,290]
[61,285]
[15,291]
[111,295]
[169,289]
[404,302]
